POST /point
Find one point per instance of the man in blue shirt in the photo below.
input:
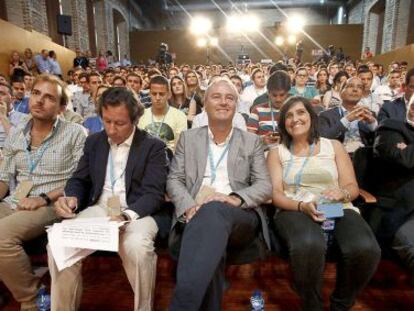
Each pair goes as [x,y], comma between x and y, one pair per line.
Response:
[21,101]
[42,62]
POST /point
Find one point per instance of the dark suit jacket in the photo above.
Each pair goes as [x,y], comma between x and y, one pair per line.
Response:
[145,175]
[330,126]
[393,110]
[393,184]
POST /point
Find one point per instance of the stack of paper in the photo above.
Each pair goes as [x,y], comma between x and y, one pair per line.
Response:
[74,239]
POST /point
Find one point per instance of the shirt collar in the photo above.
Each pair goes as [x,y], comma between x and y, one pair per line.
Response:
[211,137]
[127,142]
[28,126]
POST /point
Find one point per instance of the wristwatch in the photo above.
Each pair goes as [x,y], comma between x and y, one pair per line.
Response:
[46,198]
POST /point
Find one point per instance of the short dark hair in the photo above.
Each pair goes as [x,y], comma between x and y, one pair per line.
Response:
[313,135]
[339,75]
[161,80]
[238,78]
[409,74]
[119,78]
[94,74]
[16,78]
[116,96]
[84,75]
[279,80]
[276,67]
[133,74]
[364,69]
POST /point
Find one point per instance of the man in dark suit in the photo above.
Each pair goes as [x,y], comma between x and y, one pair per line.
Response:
[350,123]
[122,174]
[397,109]
[393,217]
[216,189]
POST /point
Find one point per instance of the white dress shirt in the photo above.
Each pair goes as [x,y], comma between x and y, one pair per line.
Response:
[120,155]
[250,93]
[222,181]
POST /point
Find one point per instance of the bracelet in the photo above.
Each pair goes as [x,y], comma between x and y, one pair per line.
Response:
[300,206]
[347,195]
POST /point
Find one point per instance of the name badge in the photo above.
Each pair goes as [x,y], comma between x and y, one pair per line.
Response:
[114,205]
[331,210]
[23,190]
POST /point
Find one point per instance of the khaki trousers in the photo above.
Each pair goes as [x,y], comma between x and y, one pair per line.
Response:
[136,249]
[15,267]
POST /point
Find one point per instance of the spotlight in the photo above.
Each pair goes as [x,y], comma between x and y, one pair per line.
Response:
[200,25]
[201,42]
[291,39]
[242,23]
[295,23]
[279,40]
[213,41]
[251,23]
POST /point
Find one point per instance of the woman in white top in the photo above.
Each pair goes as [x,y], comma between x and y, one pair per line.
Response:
[308,173]
[332,98]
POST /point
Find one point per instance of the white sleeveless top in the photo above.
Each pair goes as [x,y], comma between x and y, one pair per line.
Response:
[319,173]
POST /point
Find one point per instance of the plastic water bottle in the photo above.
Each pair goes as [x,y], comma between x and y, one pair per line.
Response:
[257,301]
[43,299]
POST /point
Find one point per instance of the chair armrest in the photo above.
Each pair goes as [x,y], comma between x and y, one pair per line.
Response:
[367,197]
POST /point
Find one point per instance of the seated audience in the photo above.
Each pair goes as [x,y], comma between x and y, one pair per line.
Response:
[394,146]
[251,92]
[307,171]
[160,119]
[300,88]
[392,90]
[332,98]
[264,118]
[397,109]
[82,101]
[16,63]
[368,99]
[21,101]
[42,154]
[216,189]
[42,62]
[122,174]
[29,61]
[322,85]
[94,122]
[180,100]
[351,123]
[194,91]
[8,116]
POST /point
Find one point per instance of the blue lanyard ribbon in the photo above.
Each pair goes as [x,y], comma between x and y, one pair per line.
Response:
[298,177]
[112,172]
[213,167]
[33,162]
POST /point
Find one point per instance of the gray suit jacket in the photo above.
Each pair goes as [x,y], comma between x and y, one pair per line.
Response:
[248,174]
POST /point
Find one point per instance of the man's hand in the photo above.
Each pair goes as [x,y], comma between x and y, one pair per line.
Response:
[31,204]
[368,116]
[65,206]
[357,114]
[191,212]
[229,199]
[271,138]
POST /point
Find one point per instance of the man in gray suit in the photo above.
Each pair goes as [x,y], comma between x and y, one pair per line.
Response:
[218,178]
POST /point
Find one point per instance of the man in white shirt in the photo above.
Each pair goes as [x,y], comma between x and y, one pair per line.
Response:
[392,90]
[258,87]
[122,174]
[216,189]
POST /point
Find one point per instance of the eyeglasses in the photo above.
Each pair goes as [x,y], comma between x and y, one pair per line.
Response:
[302,76]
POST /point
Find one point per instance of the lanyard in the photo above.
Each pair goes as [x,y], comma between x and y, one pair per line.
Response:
[163,119]
[18,106]
[298,177]
[213,167]
[112,173]
[273,118]
[33,162]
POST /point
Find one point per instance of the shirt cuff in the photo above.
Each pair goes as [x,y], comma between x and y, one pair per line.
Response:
[131,214]
[345,122]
